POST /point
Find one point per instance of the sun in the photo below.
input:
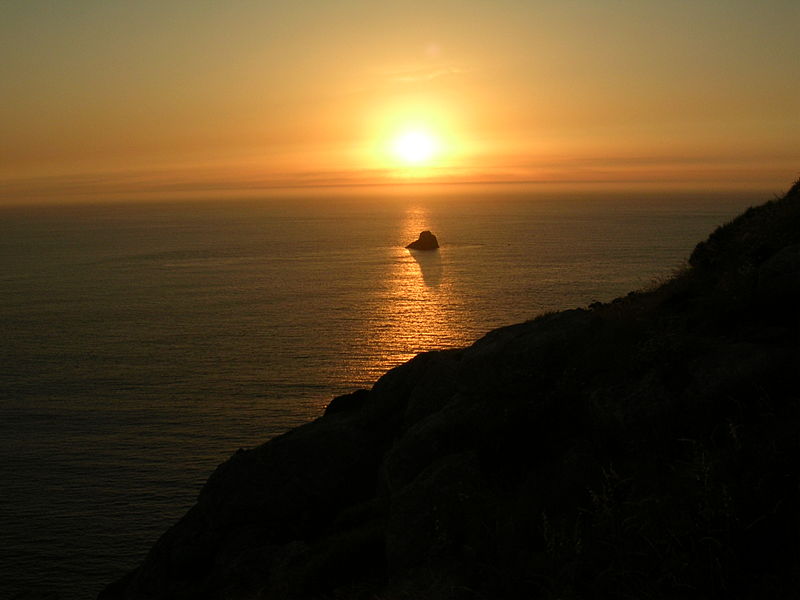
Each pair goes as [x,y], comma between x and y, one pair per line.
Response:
[416,147]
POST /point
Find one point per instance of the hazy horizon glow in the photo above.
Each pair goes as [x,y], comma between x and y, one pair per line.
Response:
[112,97]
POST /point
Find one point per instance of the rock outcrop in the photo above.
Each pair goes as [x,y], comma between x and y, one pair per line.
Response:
[425,241]
[645,448]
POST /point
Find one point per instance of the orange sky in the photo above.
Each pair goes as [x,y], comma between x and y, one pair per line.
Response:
[110,97]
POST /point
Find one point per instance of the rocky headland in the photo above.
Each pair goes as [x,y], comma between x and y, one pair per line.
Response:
[644,448]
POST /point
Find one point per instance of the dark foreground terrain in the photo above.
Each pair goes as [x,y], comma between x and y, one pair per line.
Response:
[646,448]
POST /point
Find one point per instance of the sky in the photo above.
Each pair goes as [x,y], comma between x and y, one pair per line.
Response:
[111,98]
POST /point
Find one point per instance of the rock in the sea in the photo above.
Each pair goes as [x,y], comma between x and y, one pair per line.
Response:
[426,241]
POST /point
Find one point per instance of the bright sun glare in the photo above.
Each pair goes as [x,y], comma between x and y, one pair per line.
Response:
[415,147]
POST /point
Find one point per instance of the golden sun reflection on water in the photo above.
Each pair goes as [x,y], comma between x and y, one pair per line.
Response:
[416,308]
[416,219]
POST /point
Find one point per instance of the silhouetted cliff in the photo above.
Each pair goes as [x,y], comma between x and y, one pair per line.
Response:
[645,448]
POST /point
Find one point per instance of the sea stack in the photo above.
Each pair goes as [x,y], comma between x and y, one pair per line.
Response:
[426,241]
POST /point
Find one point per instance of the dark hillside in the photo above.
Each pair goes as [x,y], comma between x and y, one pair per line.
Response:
[645,448]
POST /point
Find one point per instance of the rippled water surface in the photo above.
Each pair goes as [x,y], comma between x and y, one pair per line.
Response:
[143,344]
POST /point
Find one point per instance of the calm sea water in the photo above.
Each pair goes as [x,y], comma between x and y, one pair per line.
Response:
[143,344]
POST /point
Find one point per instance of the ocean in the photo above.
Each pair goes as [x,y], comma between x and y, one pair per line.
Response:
[144,343]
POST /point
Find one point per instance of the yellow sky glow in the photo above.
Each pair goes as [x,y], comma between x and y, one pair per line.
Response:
[136,98]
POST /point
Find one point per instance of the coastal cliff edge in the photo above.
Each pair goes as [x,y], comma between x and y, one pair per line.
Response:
[644,448]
